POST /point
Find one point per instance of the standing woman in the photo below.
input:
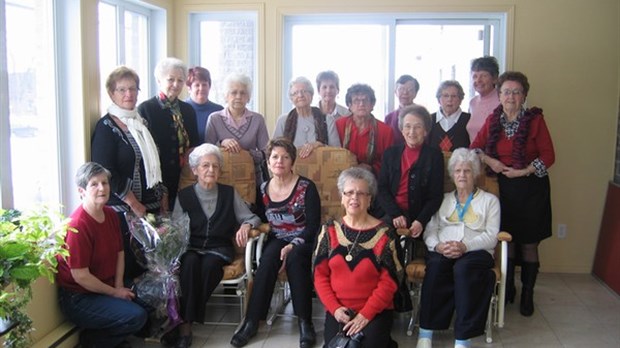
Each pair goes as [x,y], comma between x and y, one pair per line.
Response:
[449,130]
[172,123]
[484,72]
[198,85]
[123,145]
[515,143]
[306,126]
[328,86]
[293,209]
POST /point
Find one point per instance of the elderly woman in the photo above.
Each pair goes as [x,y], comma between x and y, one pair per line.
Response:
[515,143]
[460,239]
[449,130]
[91,291]
[172,123]
[216,211]
[198,85]
[328,85]
[484,72]
[406,90]
[293,209]
[237,128]
[306,126]
[123,145]
[411,179]
[361,132]
[356,272]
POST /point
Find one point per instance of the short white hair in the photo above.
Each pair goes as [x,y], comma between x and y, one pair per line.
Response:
[166,65]
[241,78]
[205,150]
[303,80]
[464,155]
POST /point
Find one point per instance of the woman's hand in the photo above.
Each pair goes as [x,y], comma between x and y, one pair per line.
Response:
[357,324]
[231,145]
[341,315]
[416,229]
[242,235]
[307,149]
[123,293]
[135,205]
[285,250]
[400,222]
[163,203]
[510,172]
[451,249]
[495,164]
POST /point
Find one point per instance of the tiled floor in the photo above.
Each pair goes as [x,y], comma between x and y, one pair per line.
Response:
[572,310]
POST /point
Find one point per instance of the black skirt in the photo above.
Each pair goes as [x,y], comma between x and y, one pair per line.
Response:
[526,207]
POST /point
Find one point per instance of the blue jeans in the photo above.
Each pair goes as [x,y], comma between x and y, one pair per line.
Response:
[105,321]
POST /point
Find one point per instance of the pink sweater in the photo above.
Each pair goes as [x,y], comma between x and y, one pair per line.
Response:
[480,108]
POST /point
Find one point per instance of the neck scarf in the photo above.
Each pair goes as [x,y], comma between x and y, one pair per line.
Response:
[320,126]
[150,156]
[177,117]
[370,147]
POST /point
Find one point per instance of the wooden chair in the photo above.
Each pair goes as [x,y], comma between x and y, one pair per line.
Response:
[415,269]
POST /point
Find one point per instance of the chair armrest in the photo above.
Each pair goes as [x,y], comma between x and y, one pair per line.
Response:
[504,237]
[263,228]
[403,232]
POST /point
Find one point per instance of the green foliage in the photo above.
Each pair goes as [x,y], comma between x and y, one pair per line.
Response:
[29,243]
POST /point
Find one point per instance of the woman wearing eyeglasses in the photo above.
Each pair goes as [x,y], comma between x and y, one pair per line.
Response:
[515,143]
[356,270]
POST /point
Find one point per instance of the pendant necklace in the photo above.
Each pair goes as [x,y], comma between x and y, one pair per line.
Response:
[350,248]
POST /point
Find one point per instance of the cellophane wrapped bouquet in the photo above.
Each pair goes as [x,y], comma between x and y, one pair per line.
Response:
[163,241]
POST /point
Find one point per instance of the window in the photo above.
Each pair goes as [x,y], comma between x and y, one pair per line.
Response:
[377,49]
[225,42]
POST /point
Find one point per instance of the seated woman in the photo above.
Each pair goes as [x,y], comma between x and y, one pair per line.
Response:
[216,211]
[356,272]
[293,209]
[306,126]
[91,291]
[449,123]
[361,133]
[460,239]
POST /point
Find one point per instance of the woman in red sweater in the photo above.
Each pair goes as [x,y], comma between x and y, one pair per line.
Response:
[515,144]
[356,271]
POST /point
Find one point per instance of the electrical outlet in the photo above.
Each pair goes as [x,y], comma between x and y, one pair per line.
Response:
[561,231]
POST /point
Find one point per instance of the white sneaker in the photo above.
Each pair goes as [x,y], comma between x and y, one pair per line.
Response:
[424,343]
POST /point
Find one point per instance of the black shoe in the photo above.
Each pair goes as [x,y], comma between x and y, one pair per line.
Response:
[242,336]
[527,303]
[184,342]
[170,338]
[307,335]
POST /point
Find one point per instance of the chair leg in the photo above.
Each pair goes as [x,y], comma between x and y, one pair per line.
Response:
[416,289]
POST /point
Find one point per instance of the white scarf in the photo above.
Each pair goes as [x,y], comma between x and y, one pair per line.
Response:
[145,141]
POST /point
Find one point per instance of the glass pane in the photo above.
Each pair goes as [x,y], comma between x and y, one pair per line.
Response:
[434,53]
[136,50]
[108,48]
[229,46]
[32,106]
[357,53]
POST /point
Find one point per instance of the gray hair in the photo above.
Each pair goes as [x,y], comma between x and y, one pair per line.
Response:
[450,83]
[464,155]
[418,111]
[168,64]
[89,170]
[307,85]
[204,150]
[358,173]
[241,78]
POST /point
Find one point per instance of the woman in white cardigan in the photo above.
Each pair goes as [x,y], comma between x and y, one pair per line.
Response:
[460,238]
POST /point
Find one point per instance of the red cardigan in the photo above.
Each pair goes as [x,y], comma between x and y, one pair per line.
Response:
[359,141]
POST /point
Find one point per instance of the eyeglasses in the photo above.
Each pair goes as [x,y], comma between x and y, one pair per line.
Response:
[356,193]
[450,96]
[511,92]
[299,92]
[360,101]
[405,90]
[123,90]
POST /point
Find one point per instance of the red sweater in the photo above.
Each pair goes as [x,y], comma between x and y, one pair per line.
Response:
[358,143]
[368,282]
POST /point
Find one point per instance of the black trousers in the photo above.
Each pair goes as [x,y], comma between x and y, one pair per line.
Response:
[376,333]
[463,285]
[299,273]
[200,275]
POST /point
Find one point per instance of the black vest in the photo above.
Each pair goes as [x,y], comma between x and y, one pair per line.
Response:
[457,135]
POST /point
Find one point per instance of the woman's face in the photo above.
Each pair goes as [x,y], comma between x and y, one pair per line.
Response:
[511,96]
[237,97]
[125,94]
[449,100]
[97,191]
[356,197]
[199,91]
[300,96]
[328,91]
[406,93]
[413,130]
[207,171]
[171,83]
[361,105]
[463,176]
[280,162]
[484,82]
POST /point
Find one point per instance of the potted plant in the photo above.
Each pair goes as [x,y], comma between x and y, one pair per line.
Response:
[29,243]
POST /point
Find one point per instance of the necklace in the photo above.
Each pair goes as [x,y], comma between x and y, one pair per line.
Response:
[350,248]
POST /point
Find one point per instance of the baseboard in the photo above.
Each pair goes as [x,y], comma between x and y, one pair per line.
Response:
[64,336]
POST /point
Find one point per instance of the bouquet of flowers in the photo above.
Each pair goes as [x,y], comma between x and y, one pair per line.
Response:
[163,241]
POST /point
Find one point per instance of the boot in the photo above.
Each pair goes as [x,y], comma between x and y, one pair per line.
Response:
[242,336]
[511,289]
[307,335]
[529,271]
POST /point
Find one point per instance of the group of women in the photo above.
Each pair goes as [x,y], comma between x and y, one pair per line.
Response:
[138,154]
